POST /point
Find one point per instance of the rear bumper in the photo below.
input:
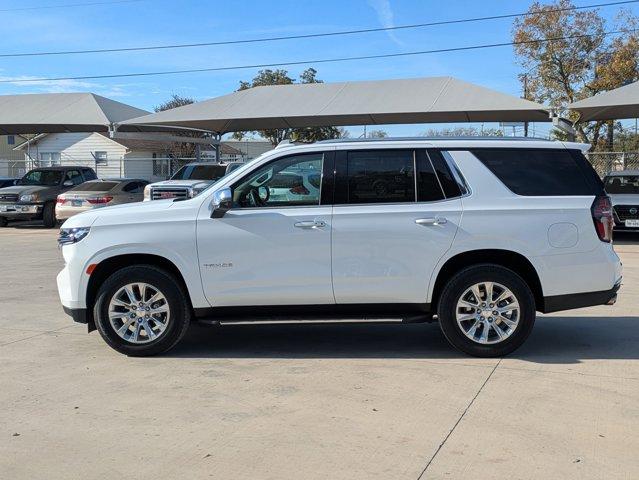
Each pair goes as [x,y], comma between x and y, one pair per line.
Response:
[64,212]
[559,303]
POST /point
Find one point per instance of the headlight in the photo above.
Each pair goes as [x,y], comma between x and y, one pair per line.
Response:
[29,198]
[194,192]
[72,235]
[147,193]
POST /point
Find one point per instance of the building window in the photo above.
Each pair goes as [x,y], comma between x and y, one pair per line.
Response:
[101,158]
[48,159]
[11,140]
[161,167]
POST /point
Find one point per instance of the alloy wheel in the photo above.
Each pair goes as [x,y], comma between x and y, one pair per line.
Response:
[487,312]
[139,313]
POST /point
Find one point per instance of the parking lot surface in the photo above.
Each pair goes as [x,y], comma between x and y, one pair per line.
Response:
[354,401]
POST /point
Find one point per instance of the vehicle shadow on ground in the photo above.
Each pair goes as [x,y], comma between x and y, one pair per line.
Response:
[555,340]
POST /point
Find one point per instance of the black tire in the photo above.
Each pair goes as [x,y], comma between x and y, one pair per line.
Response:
[3,222]
[178,303]
[48,215]
[463,280]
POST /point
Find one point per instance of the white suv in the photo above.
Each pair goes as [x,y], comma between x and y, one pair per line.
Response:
[476,234]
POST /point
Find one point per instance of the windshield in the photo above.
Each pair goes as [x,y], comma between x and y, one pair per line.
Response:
[47,178]
[199,172]
[621,184]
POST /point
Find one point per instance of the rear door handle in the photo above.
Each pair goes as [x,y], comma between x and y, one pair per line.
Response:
[310,224]
[427,222]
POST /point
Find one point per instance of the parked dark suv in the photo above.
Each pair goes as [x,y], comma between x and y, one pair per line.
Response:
[34,196]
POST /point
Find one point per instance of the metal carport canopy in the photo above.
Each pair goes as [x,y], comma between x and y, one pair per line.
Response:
[418,100]
[63,112]
[616,104]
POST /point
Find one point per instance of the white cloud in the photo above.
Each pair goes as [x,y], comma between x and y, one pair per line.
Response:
[386,17]
[66,86]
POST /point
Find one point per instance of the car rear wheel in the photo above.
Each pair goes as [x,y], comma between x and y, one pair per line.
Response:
[48,215]
[486,311]
[3,222]
[141,311]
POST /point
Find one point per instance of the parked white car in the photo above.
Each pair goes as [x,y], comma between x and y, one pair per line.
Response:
[623,188]
[189,180]
[475,234]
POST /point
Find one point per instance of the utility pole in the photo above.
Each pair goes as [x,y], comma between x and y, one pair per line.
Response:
[525,98]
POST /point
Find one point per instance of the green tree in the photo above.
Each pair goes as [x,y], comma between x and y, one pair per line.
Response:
[585,62]
[275,136]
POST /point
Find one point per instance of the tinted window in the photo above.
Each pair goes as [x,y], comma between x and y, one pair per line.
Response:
[538,172]
[619,184]
[428,188]
[284,182]
[200,172]
[446,178]
[380,176]
[89,174]
[74,176]
[134,187]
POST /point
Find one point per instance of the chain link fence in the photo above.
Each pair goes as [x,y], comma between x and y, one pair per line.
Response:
[150,169]
[606,162]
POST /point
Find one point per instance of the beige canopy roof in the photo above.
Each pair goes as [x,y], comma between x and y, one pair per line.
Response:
[419,100]
[616,104]
[62,112]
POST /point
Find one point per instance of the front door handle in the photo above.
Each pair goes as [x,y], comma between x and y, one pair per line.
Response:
[311,224]
[427,222]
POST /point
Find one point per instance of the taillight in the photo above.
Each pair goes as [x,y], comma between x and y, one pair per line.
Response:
[99,200]
[603,218]
[60,200]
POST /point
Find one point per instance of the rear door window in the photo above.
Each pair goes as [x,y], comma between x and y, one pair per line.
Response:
[429,188]
[540,172]
[380,176]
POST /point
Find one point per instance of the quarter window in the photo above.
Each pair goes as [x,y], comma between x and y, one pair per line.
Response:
[380,176]
[449,184]
[285,182]
[539,172]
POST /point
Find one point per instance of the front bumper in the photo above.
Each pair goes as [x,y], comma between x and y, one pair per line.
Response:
[20,210]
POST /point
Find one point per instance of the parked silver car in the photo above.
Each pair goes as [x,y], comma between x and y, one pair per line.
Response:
[99,193]
[623,189]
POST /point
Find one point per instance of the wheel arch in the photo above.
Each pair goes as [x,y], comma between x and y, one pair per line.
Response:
[505,258]
[110,265]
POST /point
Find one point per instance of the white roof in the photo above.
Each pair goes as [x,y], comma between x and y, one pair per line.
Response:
[62,112]
[619,103]
[417,100]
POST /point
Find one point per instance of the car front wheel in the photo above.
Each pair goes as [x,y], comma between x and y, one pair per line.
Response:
[486,311]
[141,310]
[48,215]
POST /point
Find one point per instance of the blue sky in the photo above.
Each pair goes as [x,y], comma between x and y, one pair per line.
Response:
[150,22]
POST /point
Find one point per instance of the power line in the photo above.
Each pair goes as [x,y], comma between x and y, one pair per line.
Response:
[310,35]
[316,61]
[68,5]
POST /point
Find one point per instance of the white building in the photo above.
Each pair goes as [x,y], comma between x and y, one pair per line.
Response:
[147,159]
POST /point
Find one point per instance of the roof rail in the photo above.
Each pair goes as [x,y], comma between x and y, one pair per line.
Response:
[437,138]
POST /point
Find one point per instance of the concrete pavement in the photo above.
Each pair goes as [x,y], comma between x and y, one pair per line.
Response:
[311,401]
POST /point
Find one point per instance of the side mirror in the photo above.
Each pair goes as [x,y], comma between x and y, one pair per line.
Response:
[67,183]
[222,202]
